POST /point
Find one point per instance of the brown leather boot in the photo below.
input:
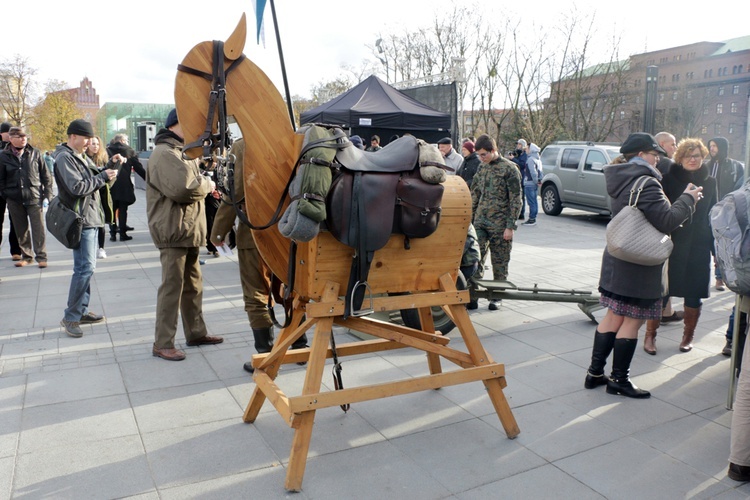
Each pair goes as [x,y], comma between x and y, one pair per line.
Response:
[691,321]
[649,342]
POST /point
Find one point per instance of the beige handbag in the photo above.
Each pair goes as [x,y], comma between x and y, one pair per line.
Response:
[632,238]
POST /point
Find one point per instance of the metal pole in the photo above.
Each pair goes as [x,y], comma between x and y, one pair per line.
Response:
[283,66]
[649,114]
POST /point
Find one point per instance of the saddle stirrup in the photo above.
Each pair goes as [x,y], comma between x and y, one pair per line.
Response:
[368,296]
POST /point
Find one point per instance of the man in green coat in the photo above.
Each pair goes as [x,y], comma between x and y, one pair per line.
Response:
[175,190]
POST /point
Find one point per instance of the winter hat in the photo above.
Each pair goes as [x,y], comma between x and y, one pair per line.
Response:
[5,127]
[171,120]
[522,142]
[445,140]
[80,127]
[640,141]
[469,146]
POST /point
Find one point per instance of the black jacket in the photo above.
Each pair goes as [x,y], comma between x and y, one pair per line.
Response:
[729,173]
[690,262]
[24,180]
[123,190]
[625,278]
[469,168]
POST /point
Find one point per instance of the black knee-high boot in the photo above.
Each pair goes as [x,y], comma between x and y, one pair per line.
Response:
[619,382]
[263,343]
[603,343]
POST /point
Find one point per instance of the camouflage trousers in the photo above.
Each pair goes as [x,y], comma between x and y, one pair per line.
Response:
[491,239]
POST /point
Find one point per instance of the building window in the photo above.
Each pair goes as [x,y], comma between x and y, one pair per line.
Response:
[676,77]
[705,110]
[719,109]
[675,95]
[704,129]
[637,99]
[731,129]
[623,100]
[622,115]
[717,129]
[689,94]
[721,90]
[661,96]
[735,89]
[733,108]
[708,91]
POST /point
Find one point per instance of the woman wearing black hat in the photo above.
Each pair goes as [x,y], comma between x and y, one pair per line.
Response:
[632,292]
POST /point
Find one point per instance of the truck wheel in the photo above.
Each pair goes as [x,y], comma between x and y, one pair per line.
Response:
[551,203]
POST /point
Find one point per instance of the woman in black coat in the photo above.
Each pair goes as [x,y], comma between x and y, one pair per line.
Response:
[631,292]
[690,262]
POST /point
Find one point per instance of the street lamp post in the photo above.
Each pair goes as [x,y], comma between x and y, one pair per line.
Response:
[649,115]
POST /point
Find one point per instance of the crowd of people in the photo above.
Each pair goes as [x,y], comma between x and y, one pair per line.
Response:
[185,213]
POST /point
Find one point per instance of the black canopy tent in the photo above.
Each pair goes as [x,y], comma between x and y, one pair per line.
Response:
[374,107]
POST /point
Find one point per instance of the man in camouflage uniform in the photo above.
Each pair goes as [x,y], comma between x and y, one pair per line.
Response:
[496,204]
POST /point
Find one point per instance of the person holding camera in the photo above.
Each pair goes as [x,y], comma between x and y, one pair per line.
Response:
[175,194]
[78,186]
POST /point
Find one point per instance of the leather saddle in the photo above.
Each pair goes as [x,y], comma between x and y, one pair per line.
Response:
[362,205]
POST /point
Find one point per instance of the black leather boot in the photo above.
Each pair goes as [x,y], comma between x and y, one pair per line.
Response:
[603,343]
[113,232]
[263,344]
[301,343]
[619,382]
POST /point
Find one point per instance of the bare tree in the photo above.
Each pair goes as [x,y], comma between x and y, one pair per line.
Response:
[585,96]
[16,87]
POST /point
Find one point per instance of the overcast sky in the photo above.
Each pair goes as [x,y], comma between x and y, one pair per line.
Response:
[130,49]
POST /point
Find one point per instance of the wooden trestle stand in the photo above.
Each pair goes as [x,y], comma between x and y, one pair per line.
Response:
[320,282]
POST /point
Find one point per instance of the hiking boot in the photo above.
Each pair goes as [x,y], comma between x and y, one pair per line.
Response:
[125,237]
[727,351]
[43,264]
[15,257]
[72,328]
[170,354]
[205,340]
[91,318]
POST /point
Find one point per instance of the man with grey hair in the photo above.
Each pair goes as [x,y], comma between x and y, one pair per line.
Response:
[669,144]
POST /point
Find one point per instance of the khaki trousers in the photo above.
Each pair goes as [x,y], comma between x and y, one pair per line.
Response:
[181,290]
[739,446]
[255,278]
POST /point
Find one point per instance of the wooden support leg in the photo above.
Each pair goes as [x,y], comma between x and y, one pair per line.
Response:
[303,422]
[258,398]
[425,318]
[480,357]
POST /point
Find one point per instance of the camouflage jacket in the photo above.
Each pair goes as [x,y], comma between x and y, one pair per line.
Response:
[496,194]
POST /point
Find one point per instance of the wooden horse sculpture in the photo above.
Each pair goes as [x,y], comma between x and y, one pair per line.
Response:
[427,271]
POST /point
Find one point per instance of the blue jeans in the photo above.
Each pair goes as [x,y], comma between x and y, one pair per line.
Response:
[531,200]
[84,264]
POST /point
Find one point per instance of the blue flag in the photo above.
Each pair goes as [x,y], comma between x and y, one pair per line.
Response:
[260,6]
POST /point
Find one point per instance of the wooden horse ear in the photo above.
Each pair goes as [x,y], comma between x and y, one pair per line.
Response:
[236,41]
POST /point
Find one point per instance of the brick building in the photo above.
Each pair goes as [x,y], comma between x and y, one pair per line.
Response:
[701,90]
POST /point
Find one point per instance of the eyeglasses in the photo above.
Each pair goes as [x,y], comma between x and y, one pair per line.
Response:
[483,155]
[694,158]
[655,155]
